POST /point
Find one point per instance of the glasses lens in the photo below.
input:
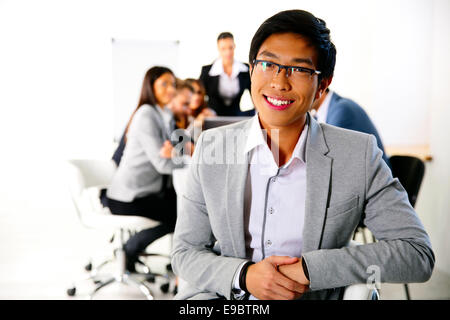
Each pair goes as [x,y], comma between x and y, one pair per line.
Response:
[266,67]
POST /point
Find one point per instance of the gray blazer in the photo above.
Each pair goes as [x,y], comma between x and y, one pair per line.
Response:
[347,181]
[141,168]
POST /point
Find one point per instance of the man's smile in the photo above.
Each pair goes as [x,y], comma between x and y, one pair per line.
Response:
[278,103]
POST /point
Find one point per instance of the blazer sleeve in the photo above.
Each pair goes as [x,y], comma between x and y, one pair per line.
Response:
[146,129]
[403,253]
[204,75]
[193,257]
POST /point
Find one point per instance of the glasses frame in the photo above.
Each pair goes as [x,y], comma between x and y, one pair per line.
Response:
[281,66]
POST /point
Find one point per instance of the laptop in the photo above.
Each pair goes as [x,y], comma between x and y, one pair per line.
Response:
[219,121]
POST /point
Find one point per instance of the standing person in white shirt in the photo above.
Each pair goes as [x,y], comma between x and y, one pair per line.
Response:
[226,79]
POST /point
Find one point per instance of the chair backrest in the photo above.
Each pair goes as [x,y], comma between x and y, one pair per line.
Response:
[409,171]
[84,174]
[85,178]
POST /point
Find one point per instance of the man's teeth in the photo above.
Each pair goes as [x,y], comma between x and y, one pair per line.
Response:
[278,102]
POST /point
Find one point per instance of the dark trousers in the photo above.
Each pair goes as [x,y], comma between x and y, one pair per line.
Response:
[161,207]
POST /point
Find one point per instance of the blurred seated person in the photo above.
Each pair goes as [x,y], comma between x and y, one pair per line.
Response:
[142,183]
[341,112]
[179,106]
[226,79]
[198,109]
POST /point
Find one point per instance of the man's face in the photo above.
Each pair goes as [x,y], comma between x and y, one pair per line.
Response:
[226,49]
[295,94]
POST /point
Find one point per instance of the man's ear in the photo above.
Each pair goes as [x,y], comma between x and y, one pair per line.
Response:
[323,85]
[250,69]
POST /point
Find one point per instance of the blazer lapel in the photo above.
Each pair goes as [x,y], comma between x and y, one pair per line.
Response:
[236,176]
[318,180]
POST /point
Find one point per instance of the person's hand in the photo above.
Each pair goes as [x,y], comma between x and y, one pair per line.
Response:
[189,148]
[295,272]
[200,118]
[265,282]
[166,150]
[207,112]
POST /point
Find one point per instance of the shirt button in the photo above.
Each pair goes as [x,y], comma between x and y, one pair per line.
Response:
[274,179]
[271,210]
[268,243]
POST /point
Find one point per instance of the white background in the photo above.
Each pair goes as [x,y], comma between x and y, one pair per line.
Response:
[56,83]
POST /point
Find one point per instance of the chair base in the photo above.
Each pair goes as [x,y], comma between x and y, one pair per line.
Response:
[139,280]
[127,280]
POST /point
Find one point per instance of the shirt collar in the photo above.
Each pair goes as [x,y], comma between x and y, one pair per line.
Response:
[217,68]
[322,113]
[256,138]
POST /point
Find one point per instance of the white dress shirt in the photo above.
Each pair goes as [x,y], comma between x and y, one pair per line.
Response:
[228,85]
[274,206]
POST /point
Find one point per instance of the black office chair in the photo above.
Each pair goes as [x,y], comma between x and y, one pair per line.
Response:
[409,171]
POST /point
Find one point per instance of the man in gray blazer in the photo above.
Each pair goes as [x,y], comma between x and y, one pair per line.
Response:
[272,203]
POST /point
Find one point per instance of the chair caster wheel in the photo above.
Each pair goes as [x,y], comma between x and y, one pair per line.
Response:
[71,291]
[150,278]
[88,267]
[175,290]
[165,287]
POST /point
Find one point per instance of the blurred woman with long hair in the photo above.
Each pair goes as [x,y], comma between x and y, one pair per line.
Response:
[141,185]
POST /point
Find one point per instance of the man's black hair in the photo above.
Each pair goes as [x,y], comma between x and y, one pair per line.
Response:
[305,24]
[225,35]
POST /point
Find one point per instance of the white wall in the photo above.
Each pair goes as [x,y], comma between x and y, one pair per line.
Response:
[433,203]
[56,78]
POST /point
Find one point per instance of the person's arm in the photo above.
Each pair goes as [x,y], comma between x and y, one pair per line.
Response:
[193,258]
[403,252]
[204,77]
[144,127]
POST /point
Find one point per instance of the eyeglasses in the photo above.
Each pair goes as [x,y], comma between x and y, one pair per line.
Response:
[272,68]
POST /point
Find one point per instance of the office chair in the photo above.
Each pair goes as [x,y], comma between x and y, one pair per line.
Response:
[86,179]
[409,171]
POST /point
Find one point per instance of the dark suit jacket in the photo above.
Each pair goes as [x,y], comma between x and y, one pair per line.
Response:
[346,113]
[216,101]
